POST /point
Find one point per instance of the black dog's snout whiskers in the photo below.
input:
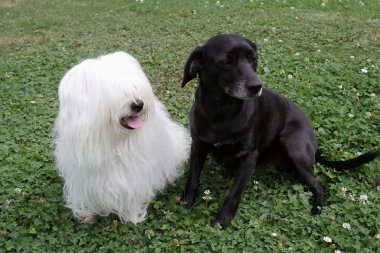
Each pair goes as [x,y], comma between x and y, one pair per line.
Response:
[137,106]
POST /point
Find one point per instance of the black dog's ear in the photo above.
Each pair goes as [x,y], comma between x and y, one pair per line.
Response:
[192,66]
[256,58]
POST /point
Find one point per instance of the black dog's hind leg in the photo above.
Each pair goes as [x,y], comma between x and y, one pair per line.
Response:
[197,160]
[302,156]
[245,169]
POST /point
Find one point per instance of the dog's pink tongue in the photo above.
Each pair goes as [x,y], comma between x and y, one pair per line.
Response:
[134,122]
[131,122]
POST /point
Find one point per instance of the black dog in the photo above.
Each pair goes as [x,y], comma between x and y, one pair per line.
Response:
[243,125]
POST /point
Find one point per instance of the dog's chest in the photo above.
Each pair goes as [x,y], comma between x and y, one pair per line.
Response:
[223,134]
[223,146]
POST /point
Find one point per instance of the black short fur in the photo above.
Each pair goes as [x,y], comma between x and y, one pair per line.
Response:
[243,125]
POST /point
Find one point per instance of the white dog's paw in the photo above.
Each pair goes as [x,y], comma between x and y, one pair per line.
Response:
[87,218]
[141,215]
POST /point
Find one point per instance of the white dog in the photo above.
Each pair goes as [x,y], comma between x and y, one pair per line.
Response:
[116,146]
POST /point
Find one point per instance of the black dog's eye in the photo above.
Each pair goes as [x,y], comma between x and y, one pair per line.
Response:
[250,57]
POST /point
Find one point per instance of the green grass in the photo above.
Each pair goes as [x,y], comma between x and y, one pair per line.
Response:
[305,54]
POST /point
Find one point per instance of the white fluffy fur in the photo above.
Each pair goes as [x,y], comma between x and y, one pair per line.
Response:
[106,167]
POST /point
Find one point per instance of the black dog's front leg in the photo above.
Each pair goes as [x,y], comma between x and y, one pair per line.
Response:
[245,169]
[197,160]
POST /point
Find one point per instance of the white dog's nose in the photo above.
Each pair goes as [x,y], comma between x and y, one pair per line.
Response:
[137,106]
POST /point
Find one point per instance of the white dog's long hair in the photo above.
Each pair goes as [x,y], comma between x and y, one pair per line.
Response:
[115,145]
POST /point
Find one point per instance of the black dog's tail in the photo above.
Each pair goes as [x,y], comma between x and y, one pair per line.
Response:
[348,164]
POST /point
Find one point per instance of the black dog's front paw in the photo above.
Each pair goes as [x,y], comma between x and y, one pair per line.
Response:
[316,210]
[224,222]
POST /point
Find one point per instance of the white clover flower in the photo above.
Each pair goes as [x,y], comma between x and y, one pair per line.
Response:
[351,197]
[265,40]
[255,185]
[340,86]
[372,95]
[327,239]
[319,50]
[167,215]
[351,115]
[337,251]
[346,225]
[343,191]
[377,236]
[9,202]
[364,198]
[290,76]
[364,70]
[32,102]
[274,234]
[352,57]
[207,197]
[297,54]
[368,114]
[323,4]
[18,190]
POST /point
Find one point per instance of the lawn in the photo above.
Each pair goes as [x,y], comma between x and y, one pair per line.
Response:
[323,55]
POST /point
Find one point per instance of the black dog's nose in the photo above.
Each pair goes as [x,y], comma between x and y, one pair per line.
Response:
[254,88]
[137,106]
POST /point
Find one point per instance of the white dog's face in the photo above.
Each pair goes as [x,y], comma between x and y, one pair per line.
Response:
[112,89]
[128,91]
[131,109]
